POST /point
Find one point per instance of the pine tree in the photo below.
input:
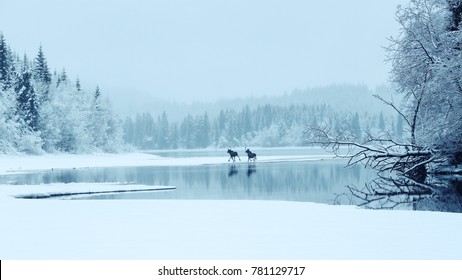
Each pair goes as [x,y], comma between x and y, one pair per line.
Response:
[41,72]
[98,120]
[163,131]
[187,132]
[174,135]
[246,120]
[97,95]
[26,97]
[355,126]
[3,62]
[42,77]
[77,85]
[202,139]
[381,124]
[129,130]
[6,64]
[61,77]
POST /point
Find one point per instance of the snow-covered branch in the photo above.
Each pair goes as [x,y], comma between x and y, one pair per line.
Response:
[381,154]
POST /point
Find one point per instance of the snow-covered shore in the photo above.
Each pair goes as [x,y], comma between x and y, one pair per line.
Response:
[212,229]
[26,163]
[167,229]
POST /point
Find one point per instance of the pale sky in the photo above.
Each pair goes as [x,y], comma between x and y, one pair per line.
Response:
[206,49]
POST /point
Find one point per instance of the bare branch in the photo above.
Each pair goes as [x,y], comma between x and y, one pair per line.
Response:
[394,108]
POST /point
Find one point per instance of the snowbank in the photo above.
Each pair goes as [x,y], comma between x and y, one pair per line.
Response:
[26,163]
[173,229]
[74,189]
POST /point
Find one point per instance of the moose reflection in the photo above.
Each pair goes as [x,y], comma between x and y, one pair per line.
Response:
[232,170]
[251,168]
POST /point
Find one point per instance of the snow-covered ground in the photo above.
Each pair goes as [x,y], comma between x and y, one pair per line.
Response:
[26,163]
[196,229]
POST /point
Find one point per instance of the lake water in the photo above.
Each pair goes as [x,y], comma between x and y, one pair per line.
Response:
[315,181]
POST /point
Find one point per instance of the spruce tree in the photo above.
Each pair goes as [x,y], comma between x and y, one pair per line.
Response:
[203,137]
[381,123]
[163,131]
[41,72]
[356,127]
[5,64]
[42,77]
[26,96]
[97,95]
[77,85]
[61,77]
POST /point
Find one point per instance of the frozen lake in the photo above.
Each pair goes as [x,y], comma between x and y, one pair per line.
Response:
[305,180]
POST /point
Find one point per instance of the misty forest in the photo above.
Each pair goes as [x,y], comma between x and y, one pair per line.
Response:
[411,128]
[48,112]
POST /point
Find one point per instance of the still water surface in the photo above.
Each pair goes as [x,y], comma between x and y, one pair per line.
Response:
[315,181]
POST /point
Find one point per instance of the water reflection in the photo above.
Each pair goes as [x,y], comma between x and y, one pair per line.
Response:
[232,170]
[436,193]
[251,168]
[314,181]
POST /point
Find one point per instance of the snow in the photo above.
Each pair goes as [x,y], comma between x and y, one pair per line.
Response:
[81,189]
[197,229]
[26,163]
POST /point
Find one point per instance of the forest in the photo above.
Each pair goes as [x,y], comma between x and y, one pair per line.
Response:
[42,111]
[267,125]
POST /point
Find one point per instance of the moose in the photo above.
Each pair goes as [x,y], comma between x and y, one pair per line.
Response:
[251,156]
[233,155]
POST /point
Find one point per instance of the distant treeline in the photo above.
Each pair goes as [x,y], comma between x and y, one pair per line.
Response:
[268,125]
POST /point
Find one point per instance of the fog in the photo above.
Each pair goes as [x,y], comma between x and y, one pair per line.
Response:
[205,50]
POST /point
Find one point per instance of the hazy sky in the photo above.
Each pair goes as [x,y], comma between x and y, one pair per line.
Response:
[206,49]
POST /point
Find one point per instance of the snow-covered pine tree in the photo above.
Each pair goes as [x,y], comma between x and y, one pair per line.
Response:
[41,71]
[4,64]
[41,77]
[104,128]
[26,96]
[77,84]
[163,131]
[202,139]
